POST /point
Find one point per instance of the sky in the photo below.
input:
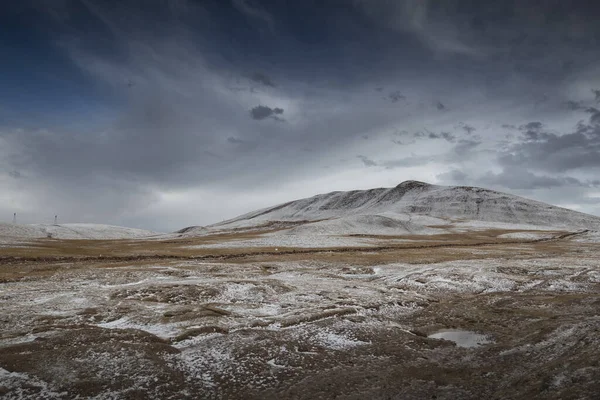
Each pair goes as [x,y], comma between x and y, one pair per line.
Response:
[163,114]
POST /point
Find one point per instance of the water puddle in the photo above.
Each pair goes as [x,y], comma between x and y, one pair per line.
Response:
[467,339]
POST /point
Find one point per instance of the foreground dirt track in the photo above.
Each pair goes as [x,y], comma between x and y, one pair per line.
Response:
[165,319]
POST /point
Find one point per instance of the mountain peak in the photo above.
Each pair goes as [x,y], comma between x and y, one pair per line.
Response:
[407,185]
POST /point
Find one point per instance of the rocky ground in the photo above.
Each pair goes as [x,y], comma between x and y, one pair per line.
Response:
[100,321]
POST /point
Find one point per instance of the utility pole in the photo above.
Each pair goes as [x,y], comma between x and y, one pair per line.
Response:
[15,218]
[55,219]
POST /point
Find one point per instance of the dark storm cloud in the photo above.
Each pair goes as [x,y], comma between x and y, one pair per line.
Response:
[262,112]
[596,93]
[183,121]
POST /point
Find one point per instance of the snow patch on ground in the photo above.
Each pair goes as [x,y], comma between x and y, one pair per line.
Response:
[588,237]
[24,386]
[526,235]
[336,341]
[164,331]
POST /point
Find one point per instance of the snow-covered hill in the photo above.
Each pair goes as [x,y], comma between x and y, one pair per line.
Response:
[410,208]
[69,231]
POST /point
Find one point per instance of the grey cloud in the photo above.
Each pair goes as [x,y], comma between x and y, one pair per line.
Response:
[396,96]
[403,142]
[263,79]
[509,126]
[411,161]
[468,128]
[454,177]
[521,178]
[367,161]
[543,99]
[235,140]
[596,93]
[534,135]
[262,112]
[532,126]
[595,115]
[449,137]
[533,131]
[238,89]
[15,174]
[440,106]
[512,177]
[211,154]
[559,153]
[574,105]
[590,131]
[465,146]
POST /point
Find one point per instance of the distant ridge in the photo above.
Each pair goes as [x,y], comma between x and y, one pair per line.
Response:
[71,231]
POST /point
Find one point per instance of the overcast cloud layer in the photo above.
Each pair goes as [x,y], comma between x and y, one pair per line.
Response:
[164,114]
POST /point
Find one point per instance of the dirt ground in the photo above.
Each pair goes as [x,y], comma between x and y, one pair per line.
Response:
[167,320]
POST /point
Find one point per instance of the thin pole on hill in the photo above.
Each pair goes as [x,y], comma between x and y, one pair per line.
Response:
[15,218]
[55,219]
